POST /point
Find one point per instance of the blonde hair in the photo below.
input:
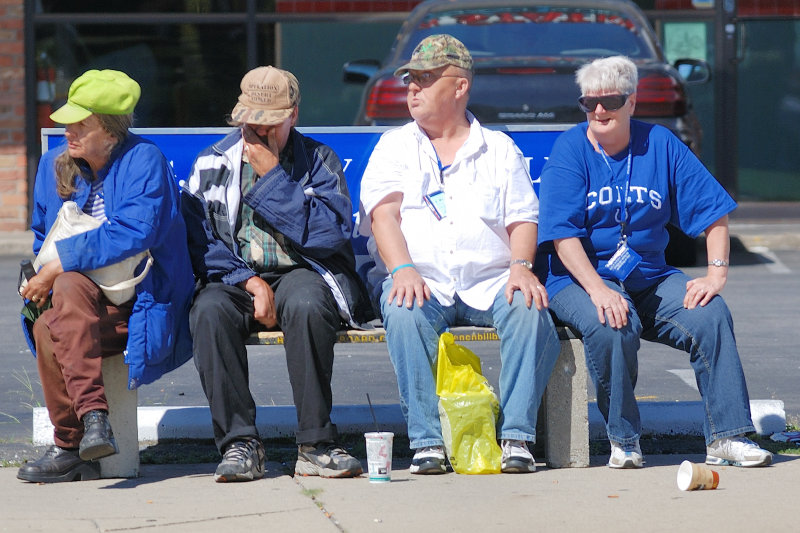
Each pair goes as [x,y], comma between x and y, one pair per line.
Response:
[616,74]
[67,169]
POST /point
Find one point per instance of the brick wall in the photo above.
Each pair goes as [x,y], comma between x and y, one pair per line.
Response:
[13,172]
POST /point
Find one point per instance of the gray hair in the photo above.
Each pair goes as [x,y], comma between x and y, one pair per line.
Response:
[615,74]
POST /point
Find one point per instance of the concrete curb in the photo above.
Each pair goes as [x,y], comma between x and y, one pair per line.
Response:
[276,421]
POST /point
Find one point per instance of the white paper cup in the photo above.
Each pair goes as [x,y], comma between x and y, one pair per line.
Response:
[379,456]
[696,477]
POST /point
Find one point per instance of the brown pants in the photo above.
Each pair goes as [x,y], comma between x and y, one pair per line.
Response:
[71,338]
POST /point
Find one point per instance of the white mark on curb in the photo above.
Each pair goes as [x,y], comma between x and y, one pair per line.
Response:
[687,376]
[774,265]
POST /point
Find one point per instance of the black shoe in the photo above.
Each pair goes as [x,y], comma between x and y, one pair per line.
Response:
[325,459]
[98,439]
[59,464]
[243,460]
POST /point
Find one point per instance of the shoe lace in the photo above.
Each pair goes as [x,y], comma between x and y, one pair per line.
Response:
[515,448]
[629,447]
[334,451]
[237,451]
[429,451]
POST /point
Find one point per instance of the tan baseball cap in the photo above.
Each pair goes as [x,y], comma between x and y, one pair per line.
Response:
[269,95]
[437,51]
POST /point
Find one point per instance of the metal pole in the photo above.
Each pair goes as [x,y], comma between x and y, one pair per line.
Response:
[726,142]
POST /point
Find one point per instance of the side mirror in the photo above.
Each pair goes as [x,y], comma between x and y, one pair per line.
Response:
[360,70]
[693,71]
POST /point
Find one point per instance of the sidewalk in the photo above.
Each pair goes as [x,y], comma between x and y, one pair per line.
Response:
[184,498]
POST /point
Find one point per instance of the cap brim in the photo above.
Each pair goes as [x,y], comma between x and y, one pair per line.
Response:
[70,113]
[419,65]
[265,117]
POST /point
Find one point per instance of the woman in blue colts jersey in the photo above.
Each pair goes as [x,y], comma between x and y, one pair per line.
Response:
[607,192]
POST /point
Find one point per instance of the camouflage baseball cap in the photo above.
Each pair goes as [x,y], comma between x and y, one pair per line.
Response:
[437,51]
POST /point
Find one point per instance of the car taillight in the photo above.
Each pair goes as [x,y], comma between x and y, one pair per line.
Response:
[387,100]
[660,96]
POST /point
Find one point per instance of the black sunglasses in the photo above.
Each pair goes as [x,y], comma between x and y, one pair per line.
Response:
[610,102]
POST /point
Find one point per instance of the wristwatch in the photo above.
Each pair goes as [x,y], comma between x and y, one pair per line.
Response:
[527,264]
[718,263]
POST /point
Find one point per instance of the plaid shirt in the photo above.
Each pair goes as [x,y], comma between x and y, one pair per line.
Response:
[263,247]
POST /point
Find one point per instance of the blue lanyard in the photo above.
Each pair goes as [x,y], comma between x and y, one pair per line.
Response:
[442,168]
[624,210]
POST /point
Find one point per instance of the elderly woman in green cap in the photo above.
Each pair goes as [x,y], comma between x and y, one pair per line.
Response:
[124,182]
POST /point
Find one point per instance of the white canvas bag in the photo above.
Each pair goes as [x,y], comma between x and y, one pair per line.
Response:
[117,280]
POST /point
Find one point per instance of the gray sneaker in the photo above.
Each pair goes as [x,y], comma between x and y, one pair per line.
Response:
[243,460]
[325,459]
[737,451]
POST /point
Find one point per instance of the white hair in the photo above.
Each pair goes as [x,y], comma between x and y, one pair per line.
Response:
[615,74]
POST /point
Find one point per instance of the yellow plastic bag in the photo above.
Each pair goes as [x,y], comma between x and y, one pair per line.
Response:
[468,410]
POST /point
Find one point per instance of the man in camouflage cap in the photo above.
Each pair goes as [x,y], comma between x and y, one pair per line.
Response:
[262,206]
[462,256]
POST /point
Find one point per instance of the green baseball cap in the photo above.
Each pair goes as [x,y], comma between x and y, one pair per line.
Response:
[437,51]
[104,92]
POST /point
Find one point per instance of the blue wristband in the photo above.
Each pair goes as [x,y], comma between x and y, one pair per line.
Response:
[401,266]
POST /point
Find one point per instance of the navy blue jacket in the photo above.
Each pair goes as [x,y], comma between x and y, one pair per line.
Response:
[311,207]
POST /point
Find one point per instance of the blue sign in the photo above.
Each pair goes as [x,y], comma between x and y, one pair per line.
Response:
[353,145]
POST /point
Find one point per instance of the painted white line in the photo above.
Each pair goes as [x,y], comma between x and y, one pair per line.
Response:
[775,265]
[685,375]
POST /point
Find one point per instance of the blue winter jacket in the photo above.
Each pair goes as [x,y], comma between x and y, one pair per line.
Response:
[142,206]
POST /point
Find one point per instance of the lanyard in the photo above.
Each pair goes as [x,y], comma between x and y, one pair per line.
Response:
[442,168]
[624,210]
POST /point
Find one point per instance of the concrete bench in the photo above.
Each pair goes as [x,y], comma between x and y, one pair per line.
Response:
[563,416]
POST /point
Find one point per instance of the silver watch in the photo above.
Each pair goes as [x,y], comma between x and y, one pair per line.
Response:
[527,264]
[718,263]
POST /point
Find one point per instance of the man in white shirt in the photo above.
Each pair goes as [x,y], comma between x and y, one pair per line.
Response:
[453,221]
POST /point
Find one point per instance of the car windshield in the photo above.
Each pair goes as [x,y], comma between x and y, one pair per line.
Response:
[551,32]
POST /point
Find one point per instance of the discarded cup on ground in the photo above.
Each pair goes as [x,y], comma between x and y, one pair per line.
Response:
[379,456]
[696,477]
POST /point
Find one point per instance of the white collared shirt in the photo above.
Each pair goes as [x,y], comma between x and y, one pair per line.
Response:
[487,188]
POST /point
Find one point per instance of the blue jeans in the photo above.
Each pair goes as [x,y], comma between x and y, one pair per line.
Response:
[657,314]
[529,348]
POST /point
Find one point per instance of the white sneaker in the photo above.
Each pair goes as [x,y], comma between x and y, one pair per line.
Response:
[625,455]
[737,451]
[429,460]
[516,459]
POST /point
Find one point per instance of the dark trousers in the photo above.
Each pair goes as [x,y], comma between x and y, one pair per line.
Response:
[221,319]
[71,338]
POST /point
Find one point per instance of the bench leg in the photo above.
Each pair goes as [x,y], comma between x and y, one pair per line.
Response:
[122,408]
[565,409]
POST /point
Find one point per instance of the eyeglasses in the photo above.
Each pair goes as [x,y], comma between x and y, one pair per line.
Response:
[424,79]
[610,102]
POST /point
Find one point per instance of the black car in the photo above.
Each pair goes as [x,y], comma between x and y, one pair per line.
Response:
[525,56]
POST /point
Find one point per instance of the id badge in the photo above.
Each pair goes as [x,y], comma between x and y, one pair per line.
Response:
[435,202]
[623,262]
